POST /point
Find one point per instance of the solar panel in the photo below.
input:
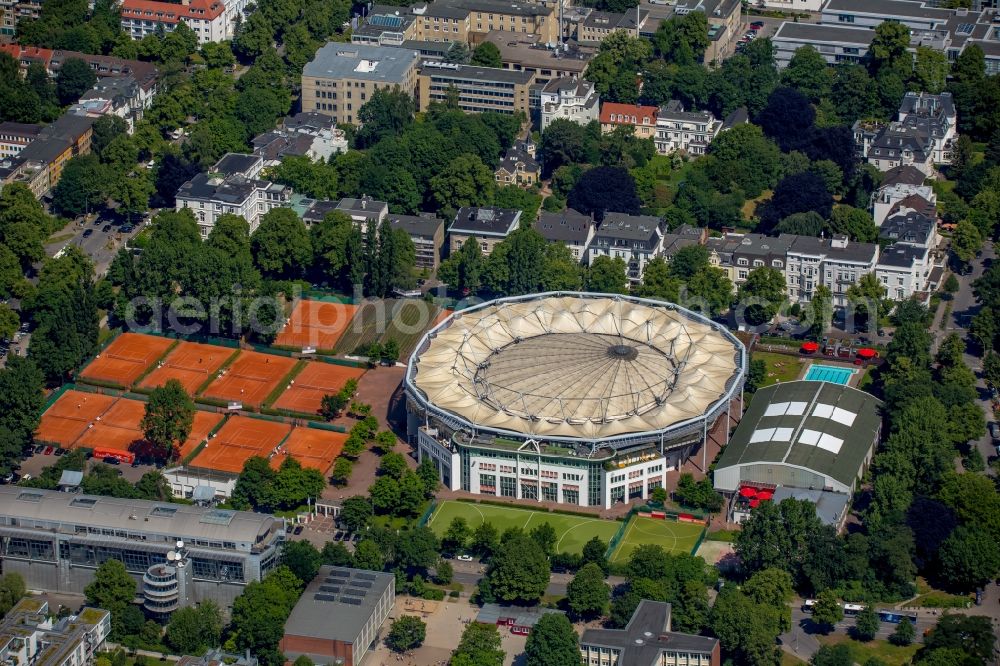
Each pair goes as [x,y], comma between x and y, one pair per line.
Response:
[83,501]
[348,600]
[362,583]
[965,28]
[366,576]
[324,597]
[386,21]
[329,588]
[353,591]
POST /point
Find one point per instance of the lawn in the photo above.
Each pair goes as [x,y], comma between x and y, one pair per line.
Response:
[572,532]
[861,652]
[675,537]
[790,659]
[780,367]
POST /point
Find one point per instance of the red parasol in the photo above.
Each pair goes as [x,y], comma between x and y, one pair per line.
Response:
[754,503]
[866,352]
[809,347]
[747,491]
[765,495]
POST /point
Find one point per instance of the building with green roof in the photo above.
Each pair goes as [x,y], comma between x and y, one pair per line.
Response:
[811,435]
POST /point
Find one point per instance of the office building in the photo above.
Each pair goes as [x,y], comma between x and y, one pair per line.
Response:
[342,77]
[686,131]
[15,136]
[528,53]
[479,89]
[870,13]
[427,233]
[647,640]
[385,26]
[178,554]
[573,99]
[232,187]
[569,227]
[30,635]
[489,225]
[838,44]
[339,616]
[596,27]
[636,239]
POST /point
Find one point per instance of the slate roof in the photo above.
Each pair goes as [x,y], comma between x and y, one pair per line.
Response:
[646,636]
[566,226]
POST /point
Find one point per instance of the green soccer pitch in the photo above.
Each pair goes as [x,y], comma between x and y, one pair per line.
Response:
[675,537]
[572,532]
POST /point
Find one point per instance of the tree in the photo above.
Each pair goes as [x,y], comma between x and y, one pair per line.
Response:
[545,536]
[443,572]
[387,113]
[798,193]
[889,47]
[832,655]
[479,646]
[463,270]
[75,77]
[801,224]
[406,633]
[259,614]
[808,73]
[969,557]
[392,464]
[853,222]
[681,39]
[113,590]
[762,294]
[827,611]
[332,406]
[603,189]
[168,418]
[21,402]
[487,55]
[465,181]
[341,473]
[587,595]
[335,553]
[302,558]
[972,634]
[428,473]
[12,590]
[485,539]
[84,184]
[930,70]
[867,623]
[385,494]
[281,245]
[519,572]
[903,634]
[552,642]
[368,556]
[607,276]
[193,629]
[966,241]
[456,536]
[746,630]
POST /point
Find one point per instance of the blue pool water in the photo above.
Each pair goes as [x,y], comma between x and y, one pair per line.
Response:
[829,373]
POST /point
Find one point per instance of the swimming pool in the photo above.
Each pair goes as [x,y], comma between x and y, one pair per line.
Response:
[829,373]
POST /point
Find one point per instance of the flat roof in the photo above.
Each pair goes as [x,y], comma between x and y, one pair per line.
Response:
[811,32]
[449,70]
[889,9]
[337,60]
[827,428]
[338,603]
[829,506]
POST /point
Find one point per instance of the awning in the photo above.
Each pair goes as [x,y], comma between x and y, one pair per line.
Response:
[747,491]
[764,495]
[754,503]
[866,352]
[809,347]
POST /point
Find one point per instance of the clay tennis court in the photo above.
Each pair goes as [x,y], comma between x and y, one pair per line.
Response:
[117,429]
[239,439]
[125,359]
[315,381]
[251,378]
[67,418]
[204,423]
[313,448]
[190,363]
[317,324]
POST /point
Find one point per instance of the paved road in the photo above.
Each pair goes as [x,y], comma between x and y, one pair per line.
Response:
[100,245]
[963,309]
[802,642]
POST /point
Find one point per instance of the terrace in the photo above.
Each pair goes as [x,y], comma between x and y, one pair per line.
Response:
[544,448]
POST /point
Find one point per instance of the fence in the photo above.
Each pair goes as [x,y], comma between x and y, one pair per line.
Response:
[701,538]
[322,425]
[55,395]
[422,522]
[669,513]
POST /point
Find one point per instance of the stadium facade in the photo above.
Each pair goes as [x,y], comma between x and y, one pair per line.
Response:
[179,555]
[576,398]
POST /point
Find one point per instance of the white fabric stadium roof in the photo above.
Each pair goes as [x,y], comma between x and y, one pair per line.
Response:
[576,366]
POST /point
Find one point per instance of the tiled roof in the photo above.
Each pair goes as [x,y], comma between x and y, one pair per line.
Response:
[611,110]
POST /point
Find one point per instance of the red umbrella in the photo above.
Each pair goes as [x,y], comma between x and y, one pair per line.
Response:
[866,352]
[809,347]
[754,503]
[747,491]
[764,495]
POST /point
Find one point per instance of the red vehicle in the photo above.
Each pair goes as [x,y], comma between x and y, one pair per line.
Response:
[48,450]
[755,28]
[757,24]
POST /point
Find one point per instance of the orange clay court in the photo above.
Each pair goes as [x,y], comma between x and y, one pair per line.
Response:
[118,428]
[313,448]
[315,381]
[251,378]
[69,416]
[239,439]
[316,324]
[190,363]
[125,359]
[203,424]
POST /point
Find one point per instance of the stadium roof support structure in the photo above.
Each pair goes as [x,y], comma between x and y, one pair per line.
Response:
[577,367]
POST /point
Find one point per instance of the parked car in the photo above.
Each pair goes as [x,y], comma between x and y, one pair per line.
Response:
[757,24]
[48,450]
[88,233]
[39,449]
[106,228]
[995,430]
[111,460]
[464,558]
[298,529]
[755,28]
[127,228]
[60,451]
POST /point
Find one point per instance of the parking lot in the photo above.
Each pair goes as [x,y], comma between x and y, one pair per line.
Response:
[36,462]
[99,236]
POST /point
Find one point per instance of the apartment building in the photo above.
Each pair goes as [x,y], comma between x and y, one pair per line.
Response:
[488,225]
[596,27]
[312,135]
[528,53]
[211,20]
[905,271]
[39,164]
[680,238]
[342,77]
[836,263]
[738,254]
[232,187]
[32,635]
[686,131]
[518,166]
[479,89]
[642,119]
[922,135]
[120,96]
[635,238]
[647,640]
[912,228]
[426,230]
[573,99]
[15,136]
[569,227]
[363,211]
[903,186]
